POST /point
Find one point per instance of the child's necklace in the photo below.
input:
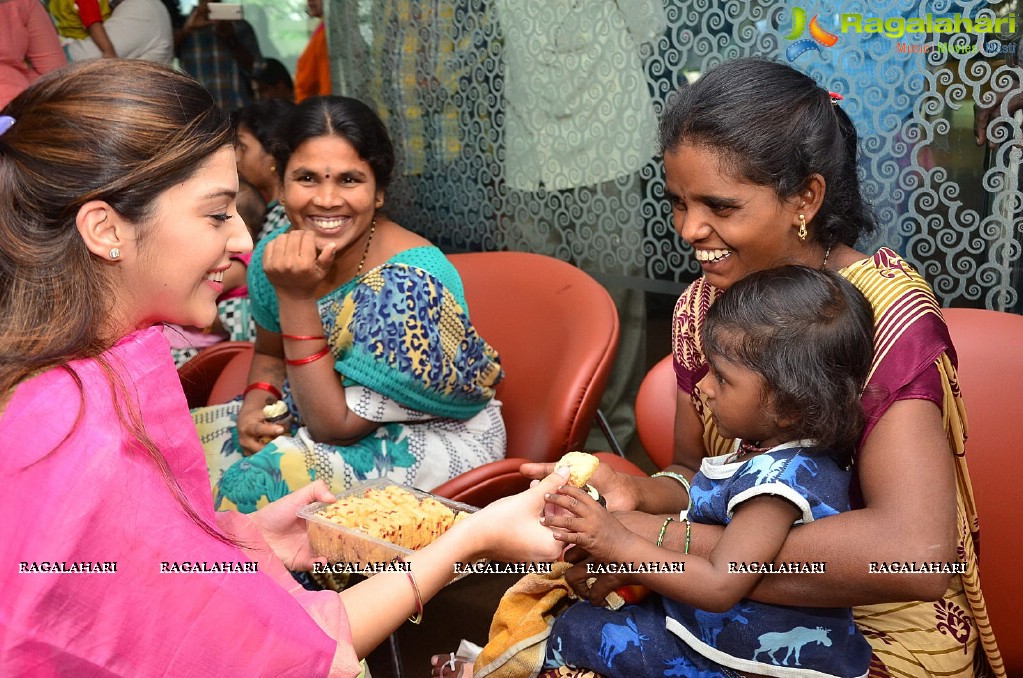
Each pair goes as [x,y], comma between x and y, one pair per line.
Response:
[747,448]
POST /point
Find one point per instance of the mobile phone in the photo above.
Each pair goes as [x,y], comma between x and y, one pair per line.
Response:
[224,11]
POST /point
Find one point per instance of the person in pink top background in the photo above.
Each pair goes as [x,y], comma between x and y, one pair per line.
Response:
[29,46]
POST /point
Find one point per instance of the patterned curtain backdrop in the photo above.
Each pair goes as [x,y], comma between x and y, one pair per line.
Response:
[530,124]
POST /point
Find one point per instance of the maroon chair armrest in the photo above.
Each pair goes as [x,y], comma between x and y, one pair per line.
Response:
[619,464]
[199,375]
[484,484]
[233,379]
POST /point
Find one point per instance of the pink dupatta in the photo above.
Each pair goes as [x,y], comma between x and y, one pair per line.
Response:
[84,495]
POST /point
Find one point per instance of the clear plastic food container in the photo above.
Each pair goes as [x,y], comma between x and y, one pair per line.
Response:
[339,543]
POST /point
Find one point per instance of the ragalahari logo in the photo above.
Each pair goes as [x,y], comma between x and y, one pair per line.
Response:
[803,45]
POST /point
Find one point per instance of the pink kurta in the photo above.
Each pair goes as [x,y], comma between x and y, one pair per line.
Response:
[87,492]
[29,46]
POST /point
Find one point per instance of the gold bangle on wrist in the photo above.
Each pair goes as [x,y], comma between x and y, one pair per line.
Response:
[418,616]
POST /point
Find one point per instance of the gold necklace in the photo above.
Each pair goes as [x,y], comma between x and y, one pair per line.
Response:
[362,262]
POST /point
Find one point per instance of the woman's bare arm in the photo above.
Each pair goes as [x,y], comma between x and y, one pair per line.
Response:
[99,36]
[267,367]
[316,386]
[655,495]
[297,270]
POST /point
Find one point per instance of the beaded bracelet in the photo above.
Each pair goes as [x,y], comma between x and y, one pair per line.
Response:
[689,527]
[418,617]
[309,358]
[674,476]
[264,386]
[303,337]
[678,477]
[664,528]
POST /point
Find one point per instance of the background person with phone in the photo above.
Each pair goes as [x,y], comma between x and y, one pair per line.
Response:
[219,49]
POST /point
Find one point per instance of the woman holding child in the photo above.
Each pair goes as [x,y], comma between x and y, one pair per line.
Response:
[760,166]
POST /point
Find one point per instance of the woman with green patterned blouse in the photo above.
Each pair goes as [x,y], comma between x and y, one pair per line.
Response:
[362,330]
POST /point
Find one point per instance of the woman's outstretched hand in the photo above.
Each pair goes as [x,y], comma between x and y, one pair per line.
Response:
[613,486]
[285,532]
[509,529]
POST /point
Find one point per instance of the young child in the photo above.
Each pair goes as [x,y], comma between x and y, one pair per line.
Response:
[789,351]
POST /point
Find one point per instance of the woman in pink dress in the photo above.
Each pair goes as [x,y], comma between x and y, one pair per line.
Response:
[117,213]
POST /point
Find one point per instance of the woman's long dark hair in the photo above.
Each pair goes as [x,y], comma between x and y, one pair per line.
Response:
[343,117]
[120,131]
[774,127]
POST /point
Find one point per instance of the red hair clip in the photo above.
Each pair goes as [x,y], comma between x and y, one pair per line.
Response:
[835,97]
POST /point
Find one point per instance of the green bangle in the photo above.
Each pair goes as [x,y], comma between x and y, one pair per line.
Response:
[680,478]
[664,528]
[689,529]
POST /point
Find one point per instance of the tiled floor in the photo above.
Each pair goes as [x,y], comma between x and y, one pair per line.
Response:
[465,608]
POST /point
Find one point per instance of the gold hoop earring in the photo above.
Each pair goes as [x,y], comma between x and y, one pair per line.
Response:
[802,227]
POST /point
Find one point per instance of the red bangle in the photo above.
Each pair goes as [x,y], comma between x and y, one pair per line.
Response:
[264,386]
[309,358]
[302,337]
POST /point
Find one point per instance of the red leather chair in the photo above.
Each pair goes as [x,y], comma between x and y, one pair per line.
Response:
[217,374]
[655,412]
[556,329]
[989,345]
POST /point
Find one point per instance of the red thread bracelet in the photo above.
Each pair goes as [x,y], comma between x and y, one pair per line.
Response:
[309,358]
[264,386]
[302,337]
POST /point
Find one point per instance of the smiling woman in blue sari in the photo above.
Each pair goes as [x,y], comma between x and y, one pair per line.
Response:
[362,330]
